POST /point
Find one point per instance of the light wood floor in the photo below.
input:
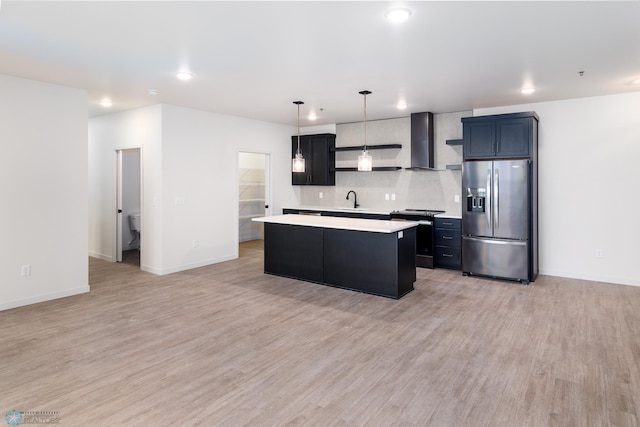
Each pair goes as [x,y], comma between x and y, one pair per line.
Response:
[226,345]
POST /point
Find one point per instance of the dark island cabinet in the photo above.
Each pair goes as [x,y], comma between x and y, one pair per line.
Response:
[499,136]
[447,242]
[319,152]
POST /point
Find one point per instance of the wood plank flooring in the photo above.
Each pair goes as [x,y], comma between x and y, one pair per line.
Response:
[226,345]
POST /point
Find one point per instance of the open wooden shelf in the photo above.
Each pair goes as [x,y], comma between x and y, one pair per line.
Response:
[369,147]
[373,169]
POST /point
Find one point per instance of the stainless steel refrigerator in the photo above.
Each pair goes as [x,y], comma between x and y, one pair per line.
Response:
[498,234]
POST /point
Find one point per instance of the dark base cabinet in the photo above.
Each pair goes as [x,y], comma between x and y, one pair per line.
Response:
[297,255]
[375,263]
[370,262]
[447,239]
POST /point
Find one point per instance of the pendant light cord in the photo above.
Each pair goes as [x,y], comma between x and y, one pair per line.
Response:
[365,93]
[365,122]
[298,104]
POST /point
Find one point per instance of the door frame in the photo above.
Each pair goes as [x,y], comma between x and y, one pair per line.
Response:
[267,185]
[117,235]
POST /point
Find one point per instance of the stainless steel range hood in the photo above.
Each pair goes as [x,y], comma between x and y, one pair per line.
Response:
[422,142]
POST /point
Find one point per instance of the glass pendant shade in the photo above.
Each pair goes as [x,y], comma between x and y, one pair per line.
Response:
[364,162]
[297,164]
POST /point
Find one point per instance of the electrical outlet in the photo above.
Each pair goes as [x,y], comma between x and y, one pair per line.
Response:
[320,195]
[196,243]
[26,270]
[599,253]
[456,198]
[386,196]
[393,196]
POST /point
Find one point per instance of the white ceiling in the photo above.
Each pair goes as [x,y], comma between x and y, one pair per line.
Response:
[252,59]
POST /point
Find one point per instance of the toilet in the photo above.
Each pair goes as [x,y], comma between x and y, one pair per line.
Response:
[134,227]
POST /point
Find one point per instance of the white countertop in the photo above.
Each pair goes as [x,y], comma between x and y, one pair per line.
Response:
[354,224]
[446,215]
[336,209]
[361,210]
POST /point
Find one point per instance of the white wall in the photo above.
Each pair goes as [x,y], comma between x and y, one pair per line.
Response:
[43,170]
[588,178]
[200,166]
[139,128]
[189,181]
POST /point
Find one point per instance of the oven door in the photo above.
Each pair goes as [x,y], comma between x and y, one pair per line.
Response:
[424,238]
[424,244]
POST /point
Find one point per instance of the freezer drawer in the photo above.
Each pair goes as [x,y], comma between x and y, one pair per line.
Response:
[507,259]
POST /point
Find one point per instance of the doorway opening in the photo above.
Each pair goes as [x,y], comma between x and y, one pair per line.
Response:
[128,207]
[253,199]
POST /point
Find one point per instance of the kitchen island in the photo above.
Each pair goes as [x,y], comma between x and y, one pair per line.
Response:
[365,255]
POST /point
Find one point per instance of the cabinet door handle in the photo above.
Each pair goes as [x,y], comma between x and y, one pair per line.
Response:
[447,255]
[447,237]
[447,223]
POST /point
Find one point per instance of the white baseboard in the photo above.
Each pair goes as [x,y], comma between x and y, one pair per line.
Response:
[100,256]
[163,271]
[581,276]
[43,297]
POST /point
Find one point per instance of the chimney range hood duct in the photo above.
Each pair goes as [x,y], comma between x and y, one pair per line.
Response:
[422,141]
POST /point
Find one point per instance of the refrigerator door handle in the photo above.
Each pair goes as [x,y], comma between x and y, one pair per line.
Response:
[487,209]
[496,196]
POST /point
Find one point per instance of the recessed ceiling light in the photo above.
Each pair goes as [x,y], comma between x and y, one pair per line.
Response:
[402,105]
[152,91]
[312,116]
[184,75]
[636,82]
[527,90]
[398,15]
[106,102]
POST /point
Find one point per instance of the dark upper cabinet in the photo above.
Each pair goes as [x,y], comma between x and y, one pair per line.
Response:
[319,152]
[499,136]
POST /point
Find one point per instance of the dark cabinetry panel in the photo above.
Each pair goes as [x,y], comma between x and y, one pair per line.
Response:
[370,262]
[319,152]
[298,254]
[499,136]
[377,263]
[447,241]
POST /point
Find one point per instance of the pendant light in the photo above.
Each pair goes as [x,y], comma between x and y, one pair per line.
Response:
[364,160]
[297,164]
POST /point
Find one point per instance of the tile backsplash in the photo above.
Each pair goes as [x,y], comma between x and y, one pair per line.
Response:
[412,189]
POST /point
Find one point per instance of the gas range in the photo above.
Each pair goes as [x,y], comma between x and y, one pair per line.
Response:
[415,214]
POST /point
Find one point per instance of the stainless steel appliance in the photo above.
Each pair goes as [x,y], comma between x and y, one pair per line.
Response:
[424,232]
[498,218]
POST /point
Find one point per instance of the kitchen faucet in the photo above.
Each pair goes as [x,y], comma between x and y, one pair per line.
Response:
[355,199]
